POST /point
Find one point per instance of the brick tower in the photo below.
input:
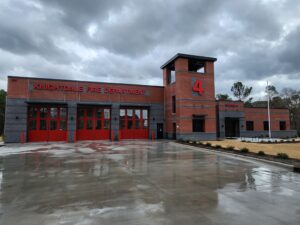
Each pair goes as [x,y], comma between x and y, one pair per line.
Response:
[190,106]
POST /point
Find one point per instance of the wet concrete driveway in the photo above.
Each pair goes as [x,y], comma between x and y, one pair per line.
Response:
[139,183]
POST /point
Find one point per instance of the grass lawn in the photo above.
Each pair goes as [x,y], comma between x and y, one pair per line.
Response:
[292,149]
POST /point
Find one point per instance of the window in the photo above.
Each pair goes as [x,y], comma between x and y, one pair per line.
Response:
[266,125]
[282,125]
[63,113]
[145,118]
[249,125]
[89,124]
[43,125]
[63,125]
[198,123]
[99,113]
[53,113]
[106,124]
[173,104]
[43,112]
[196,66]
[53,125]
[89,112]
[98,124]
[106,113]
[171,76]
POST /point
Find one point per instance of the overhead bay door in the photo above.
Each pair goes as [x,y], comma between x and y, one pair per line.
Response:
[134,123]
[47,123]
[93,123]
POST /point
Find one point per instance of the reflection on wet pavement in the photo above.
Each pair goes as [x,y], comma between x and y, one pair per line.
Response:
[141,182]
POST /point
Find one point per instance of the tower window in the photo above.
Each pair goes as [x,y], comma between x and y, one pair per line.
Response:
[198,123]
[174,104]
[171,78]
[196,66]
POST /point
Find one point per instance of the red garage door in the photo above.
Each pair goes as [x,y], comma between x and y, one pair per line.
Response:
[47,123]
[93,123]
[134,123]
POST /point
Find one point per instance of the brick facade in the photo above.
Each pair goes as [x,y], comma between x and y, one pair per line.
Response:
[192,90]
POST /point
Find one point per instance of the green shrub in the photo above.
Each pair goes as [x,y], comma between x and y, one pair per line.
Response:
[231,148]
[281,141]
[282,155]
[243,141]
[208,144]
[293,140]
[261,153]
[244,150]
[218,146]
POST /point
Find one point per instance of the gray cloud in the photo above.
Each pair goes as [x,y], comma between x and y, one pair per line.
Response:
[127,41]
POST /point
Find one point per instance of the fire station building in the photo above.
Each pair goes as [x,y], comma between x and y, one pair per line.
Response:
[40,109]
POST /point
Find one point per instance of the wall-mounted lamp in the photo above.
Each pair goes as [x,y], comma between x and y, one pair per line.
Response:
[242,125]
[222,126]
[153,119]
[115,118]
[72,118]
[17,117]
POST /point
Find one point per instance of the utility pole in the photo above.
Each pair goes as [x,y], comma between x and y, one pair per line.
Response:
[269,113]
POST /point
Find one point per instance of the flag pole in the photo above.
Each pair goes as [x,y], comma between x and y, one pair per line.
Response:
[269,114]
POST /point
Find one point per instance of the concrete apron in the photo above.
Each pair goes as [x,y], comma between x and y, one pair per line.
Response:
[240,157]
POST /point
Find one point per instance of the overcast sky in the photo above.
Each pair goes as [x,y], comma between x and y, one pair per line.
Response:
[127,41]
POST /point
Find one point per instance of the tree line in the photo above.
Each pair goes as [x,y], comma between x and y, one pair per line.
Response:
[287,98]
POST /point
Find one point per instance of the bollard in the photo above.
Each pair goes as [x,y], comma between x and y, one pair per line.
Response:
[152,135]
[119,136]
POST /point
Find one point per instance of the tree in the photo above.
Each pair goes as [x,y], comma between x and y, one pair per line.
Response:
[223,97]
[2,110]
[291,99]
[271,91]
[248,103]
[241,91]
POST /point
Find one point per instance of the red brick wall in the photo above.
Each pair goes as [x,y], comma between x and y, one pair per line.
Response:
[258,115]
[187,103]
[23,88]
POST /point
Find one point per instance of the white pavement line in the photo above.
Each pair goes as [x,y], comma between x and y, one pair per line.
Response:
[240,157]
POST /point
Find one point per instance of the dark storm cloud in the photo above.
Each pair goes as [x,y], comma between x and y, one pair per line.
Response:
[127,41]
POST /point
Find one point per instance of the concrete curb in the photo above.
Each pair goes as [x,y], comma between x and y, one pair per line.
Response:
[241,157]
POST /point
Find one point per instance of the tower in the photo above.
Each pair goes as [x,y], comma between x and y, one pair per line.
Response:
[190,106]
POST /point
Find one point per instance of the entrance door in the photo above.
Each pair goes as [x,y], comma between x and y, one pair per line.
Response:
[160,131]
[93,123]
[232,127]
[174,131]
[134,123]
[47,123]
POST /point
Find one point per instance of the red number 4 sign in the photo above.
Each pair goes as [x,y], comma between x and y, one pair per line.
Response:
[198,87]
